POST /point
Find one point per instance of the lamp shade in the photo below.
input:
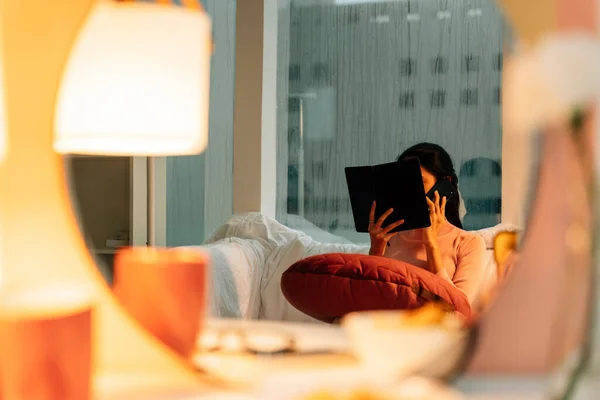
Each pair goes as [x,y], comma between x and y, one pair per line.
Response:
[136,82]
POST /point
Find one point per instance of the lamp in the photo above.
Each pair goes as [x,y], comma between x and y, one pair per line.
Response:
[136,82]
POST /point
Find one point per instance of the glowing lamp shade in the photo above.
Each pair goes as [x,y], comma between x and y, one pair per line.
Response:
[136,82]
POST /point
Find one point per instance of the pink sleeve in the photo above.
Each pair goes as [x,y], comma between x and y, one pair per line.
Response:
[470,267]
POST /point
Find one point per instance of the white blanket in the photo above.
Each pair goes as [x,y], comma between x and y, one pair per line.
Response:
[250,252]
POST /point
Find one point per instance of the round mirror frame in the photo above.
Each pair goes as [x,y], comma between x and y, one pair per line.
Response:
[43,245]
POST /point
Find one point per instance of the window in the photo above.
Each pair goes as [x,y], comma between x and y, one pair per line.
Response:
[383,85]
[294,72]
[320,72]
[407,100]
[469,97]
[438,99]
[439,65]
[470,63]
[408,67]
[499,61]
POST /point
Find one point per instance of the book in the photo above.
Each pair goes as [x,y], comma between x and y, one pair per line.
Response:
[396,185]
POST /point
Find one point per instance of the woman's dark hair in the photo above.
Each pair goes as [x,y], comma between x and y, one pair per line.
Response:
[438,162]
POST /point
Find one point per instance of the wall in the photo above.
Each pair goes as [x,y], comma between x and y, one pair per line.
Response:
[101,192]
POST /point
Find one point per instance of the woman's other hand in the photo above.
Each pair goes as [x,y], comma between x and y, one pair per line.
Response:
[380,236]
[437,215]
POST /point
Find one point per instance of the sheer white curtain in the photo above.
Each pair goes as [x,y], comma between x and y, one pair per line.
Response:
[200,188]
[359,83]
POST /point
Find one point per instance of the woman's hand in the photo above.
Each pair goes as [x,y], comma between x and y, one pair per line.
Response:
[380,236]
[437,215]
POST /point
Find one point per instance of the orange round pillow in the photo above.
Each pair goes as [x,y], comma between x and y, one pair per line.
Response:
[329,286]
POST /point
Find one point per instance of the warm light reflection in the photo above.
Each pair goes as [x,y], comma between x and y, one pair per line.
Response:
[232,342]
[45,302]
[242,341]
[136,82]
[3,128]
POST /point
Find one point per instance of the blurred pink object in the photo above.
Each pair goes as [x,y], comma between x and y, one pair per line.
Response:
[538,318]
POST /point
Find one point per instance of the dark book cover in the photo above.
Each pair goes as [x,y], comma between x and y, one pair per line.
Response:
[396,185]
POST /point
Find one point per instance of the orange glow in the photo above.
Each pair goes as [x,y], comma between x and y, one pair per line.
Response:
[530,19]
[193,4]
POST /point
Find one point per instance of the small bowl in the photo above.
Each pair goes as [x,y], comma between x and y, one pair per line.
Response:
[389,349]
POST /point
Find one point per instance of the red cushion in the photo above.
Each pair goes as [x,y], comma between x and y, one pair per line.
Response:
[329,286]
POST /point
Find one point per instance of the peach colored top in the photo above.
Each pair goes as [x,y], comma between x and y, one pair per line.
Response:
[462,253]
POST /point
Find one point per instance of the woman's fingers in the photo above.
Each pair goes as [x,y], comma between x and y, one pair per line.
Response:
[372,213]
[431,205]
[381,219]
[391,227]
[437,207]
[390,236]
[443,207]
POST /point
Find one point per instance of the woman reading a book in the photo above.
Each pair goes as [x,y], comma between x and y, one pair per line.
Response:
[443,248]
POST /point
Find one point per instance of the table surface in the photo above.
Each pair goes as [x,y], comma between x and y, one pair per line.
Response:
[471,388]
[314,337]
